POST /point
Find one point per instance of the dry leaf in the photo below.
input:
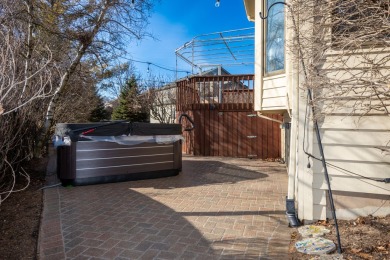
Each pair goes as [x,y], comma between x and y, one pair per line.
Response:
[361,220]
[323,223]
[355,251]
[381,248]
[365,256]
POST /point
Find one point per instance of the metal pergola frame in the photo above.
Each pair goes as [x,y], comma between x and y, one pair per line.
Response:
[219,49]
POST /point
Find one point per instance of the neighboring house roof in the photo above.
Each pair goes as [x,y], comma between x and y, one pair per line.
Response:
[167,86]
[250,9]
[213,72]
[234,86]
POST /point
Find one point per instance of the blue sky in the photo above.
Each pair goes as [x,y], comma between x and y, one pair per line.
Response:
[175,22]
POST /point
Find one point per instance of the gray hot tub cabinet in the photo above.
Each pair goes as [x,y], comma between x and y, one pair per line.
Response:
[139,153]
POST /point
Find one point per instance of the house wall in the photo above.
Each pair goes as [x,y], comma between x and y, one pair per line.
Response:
[355,149]
[352,142]
[169,110]
[352,146]
[164,106]
[350,205]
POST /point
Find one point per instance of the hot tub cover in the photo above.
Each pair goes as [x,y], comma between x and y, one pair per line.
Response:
[115,131]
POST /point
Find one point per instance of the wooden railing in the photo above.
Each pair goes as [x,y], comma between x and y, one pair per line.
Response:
[225,93]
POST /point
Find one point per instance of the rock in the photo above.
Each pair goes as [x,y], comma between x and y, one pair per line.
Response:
[315,246]
[328,257]
[313,231]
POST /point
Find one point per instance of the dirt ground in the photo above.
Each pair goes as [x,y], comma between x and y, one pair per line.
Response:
[363,238]
[20,217]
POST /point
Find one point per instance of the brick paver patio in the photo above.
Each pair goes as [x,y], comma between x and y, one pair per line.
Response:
[217,208]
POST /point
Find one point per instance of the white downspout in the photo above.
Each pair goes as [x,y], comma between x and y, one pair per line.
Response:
[293,160]
[294,147]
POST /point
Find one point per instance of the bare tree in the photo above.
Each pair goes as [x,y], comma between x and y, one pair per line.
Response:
[26,80]
[25,69]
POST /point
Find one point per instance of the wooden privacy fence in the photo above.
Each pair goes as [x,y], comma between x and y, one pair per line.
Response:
[228,92]
[225,123]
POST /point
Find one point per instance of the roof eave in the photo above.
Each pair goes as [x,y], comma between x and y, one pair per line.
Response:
[250,9]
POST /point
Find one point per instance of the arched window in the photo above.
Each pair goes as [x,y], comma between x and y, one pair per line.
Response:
[274,38]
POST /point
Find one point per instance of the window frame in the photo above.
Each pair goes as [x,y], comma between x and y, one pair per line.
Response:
[264,36]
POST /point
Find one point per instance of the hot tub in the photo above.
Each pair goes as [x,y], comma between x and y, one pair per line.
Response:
[117,151]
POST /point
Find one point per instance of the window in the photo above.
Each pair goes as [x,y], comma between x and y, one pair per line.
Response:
[274,38]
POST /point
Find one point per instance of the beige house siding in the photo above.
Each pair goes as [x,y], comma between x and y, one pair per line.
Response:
[350,205]
[169,110]
[353,144]
[274,93]
[164,106]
